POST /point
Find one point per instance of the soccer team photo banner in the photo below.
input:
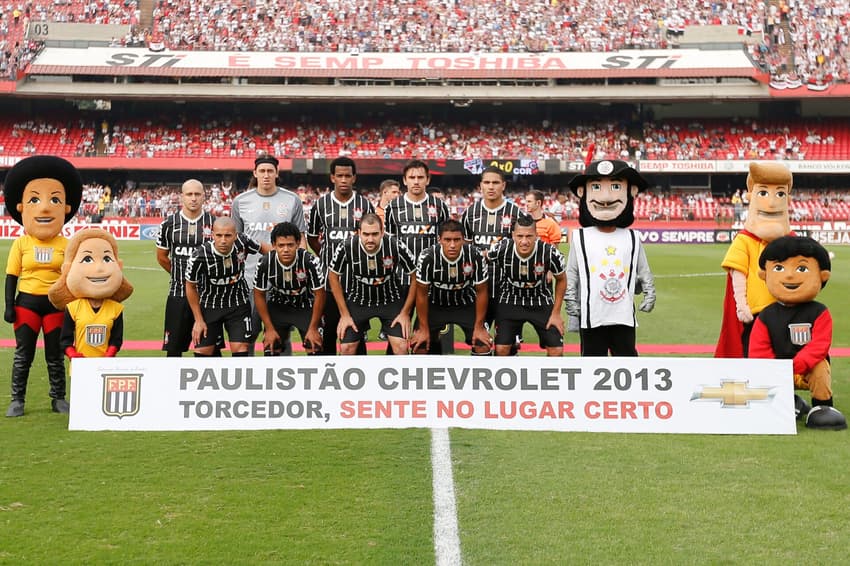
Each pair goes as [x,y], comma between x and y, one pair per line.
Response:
[650,395]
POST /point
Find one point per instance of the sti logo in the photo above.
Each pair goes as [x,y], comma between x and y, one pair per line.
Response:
[734,394]
[121,394]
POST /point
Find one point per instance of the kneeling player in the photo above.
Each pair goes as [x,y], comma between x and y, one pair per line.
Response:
[451,281]
[521,265]
[289,290]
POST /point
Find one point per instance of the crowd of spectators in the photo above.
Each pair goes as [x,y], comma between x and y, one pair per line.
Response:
[398,137]
[801,40]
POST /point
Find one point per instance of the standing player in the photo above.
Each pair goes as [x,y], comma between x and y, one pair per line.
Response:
[451,288]
[289,290]
[524,295]
[364,285]
[389,190]
[414,217]
[489,221]
[334,217]
[547,229]
[258,210]
[179,236]
[217,292]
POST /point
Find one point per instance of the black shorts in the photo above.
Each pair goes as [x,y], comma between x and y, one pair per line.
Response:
[440,317]
[177,331]
[236,321]
[510,318]
[285,318]
[362,315]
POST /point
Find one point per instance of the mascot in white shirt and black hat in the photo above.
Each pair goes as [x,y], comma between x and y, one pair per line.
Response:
[607,266]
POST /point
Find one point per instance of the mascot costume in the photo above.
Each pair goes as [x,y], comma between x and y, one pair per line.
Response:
[769,189]
[606,266]
[90,291]
[42,194]
[796,327]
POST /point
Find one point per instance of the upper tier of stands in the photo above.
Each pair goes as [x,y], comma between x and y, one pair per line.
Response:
[196,137]
[804,40]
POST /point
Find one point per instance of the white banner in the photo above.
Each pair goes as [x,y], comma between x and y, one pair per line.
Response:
[121,60]
[121,229]
[661,395]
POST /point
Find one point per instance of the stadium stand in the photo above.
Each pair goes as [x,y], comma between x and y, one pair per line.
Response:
[193,136]
[800,41]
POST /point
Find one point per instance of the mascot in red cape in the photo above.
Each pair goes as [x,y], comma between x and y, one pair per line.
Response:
[769,189]
[42,194]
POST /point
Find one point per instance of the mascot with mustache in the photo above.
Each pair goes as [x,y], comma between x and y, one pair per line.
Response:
[769,190]
[607,266]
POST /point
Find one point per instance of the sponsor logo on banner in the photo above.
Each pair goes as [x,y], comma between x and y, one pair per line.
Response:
[734,394]
[150,232]
[121,394]
[96,334]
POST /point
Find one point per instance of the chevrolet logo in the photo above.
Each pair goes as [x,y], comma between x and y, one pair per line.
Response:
[734,394]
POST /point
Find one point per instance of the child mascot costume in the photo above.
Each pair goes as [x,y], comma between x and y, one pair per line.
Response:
[42,194]
[90,291]
[606,265]
[769,189]
[796,327]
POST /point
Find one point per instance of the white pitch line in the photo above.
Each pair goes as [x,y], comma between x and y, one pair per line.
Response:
[446,538]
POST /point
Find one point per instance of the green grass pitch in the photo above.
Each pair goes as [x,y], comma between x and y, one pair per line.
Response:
[365,497]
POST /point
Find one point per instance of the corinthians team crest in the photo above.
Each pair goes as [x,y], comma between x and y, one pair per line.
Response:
[121,394]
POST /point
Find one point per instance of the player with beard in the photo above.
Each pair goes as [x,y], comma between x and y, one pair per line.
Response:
[606,263]
[364,284]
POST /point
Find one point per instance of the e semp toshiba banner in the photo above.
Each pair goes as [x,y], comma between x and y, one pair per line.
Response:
[669,395]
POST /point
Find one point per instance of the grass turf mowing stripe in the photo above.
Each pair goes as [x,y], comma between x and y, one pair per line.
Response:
[446,538]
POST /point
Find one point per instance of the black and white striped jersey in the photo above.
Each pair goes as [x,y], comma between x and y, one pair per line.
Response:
[522,281]
[290,285]
[333,221]
[368,280]
[181,237]
[451,283]
[219,277]
[415,223]
[486,227]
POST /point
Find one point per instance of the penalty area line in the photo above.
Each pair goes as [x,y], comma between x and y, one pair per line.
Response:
[446,538]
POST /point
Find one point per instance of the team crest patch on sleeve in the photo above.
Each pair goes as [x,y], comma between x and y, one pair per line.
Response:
[800,333]
[96,334]
[121,394]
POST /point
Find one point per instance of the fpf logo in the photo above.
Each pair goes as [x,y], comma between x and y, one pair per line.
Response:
[121,394]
